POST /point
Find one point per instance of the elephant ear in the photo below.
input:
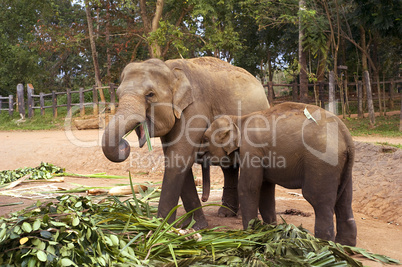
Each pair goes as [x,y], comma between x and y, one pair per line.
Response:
[182,92]
[232,139]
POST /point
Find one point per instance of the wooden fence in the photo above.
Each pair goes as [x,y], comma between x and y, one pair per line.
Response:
[322,92]
[342,93]
[9,100]
[322,96]
[43,101]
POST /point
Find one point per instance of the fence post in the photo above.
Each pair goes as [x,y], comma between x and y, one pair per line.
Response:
[391,95]
[21,104]
[366,77]
[30,100]
[400,116]
[360,113]
[69,112]
[295,93]
[1,103]
[271,93]
[42,104]
[342,96]
[95,100]
[347,108]
[331,104]
[10,105]
[112,98]
[321,94]
[54,104]
[82,100]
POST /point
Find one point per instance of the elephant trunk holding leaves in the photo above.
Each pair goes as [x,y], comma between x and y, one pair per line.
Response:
[177,100]
[296,146]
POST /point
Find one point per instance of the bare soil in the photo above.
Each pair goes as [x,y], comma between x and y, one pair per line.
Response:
[377,181]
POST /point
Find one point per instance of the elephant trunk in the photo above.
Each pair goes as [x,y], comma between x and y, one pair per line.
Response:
[114,146]
[206,181]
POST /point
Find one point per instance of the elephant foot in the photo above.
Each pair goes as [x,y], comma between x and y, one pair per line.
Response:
[230,202]
[200,225]
[227,212]
[346,232]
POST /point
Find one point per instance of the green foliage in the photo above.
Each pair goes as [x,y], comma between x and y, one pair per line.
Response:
[169,33]
[384,126]
[382,16]
[43,171]
[389,144]
[46,42]
[77,231]
[38,122]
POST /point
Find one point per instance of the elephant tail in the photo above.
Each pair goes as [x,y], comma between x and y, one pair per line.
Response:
[346,177]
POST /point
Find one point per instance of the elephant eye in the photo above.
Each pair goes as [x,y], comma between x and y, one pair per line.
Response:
[149,95]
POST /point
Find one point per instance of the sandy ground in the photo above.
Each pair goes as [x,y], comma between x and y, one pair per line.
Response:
[377,180]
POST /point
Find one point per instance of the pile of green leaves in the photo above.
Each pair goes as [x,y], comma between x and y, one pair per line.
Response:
[76,231]
[43,171]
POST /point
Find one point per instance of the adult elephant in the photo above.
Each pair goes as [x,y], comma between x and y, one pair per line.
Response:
[178,99]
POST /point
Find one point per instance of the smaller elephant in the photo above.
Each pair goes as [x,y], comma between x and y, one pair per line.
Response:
[296,146]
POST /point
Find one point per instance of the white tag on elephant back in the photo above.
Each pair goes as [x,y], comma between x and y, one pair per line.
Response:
[308,115]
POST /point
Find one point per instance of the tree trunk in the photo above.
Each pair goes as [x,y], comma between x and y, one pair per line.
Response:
[262,72]
[270,71]
[364,58]
[303,79]
[154,48]
[360,112]
[366,77]
[341,95]
[295,91]
[384,105]
[377,77]
[347,108]
[93,49]
[331,104]
[391,95]
[108,56]
[321,72]
[376,71]
[157,18]
[400,116]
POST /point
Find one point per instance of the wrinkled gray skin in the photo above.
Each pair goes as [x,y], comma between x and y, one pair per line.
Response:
[282,146]
[178,99]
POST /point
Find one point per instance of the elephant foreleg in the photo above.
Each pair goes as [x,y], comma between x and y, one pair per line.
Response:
[172,179]
[267,203]
[191,201]
[230,199]
[250,183]
[178,181]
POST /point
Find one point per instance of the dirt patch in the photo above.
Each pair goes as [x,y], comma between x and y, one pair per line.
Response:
[377,181]
[295,212]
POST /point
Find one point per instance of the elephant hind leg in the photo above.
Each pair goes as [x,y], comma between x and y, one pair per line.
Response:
[346,230]
[321,194]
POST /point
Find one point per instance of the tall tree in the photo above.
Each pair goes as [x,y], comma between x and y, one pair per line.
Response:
[19,61]
[98,81]
[152,25]
[303,77]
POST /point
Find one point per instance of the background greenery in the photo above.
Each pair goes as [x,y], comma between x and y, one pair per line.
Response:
[46,42]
